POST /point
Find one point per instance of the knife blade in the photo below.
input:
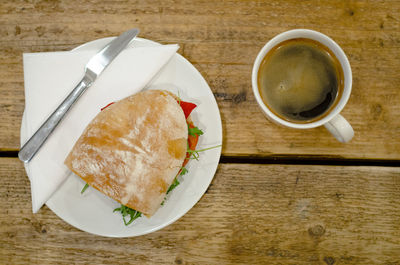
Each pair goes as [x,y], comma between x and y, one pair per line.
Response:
[93,69]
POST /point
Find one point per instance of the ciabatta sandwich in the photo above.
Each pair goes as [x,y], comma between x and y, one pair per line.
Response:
[133,150]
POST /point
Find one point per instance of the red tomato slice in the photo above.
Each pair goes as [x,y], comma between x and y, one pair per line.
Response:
[192,140]
[107,106]
[187,107]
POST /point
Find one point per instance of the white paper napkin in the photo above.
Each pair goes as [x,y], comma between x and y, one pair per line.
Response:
[49,77]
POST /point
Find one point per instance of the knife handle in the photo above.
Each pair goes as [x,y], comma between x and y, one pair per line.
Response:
[34,143]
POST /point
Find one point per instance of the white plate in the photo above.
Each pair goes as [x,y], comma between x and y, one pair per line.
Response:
[93,212]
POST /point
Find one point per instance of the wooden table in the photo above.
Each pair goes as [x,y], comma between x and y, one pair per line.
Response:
[280,196]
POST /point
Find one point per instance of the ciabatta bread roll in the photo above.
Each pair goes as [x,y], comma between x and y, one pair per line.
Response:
[133,149]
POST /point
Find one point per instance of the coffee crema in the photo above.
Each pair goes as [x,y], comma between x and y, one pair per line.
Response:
[300,79]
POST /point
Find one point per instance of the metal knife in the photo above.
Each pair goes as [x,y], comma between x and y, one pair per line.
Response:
[93,69]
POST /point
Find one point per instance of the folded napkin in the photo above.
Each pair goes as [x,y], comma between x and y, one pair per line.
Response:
[49,77]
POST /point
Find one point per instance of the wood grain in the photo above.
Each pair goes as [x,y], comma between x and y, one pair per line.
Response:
[222,39]
[251,214]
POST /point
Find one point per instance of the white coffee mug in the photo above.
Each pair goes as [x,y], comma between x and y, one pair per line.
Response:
[333,121]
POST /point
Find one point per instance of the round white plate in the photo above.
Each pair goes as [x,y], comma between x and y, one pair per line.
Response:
[93,212]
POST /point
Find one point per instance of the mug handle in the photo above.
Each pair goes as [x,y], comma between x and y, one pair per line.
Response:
[340,128]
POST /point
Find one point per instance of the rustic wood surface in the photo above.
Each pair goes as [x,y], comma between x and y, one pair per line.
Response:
[222,39]
[251,214]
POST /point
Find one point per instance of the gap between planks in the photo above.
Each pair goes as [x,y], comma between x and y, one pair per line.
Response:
[284,160]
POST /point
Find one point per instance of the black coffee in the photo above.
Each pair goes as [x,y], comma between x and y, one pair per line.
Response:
[300,79]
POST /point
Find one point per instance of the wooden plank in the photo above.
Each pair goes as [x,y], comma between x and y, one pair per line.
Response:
[251,214]
[222,40]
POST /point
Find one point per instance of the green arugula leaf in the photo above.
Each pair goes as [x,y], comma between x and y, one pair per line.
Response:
[173,185]
[183,171]
[125,211]
[194,154]
[194,131]
[84,188]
